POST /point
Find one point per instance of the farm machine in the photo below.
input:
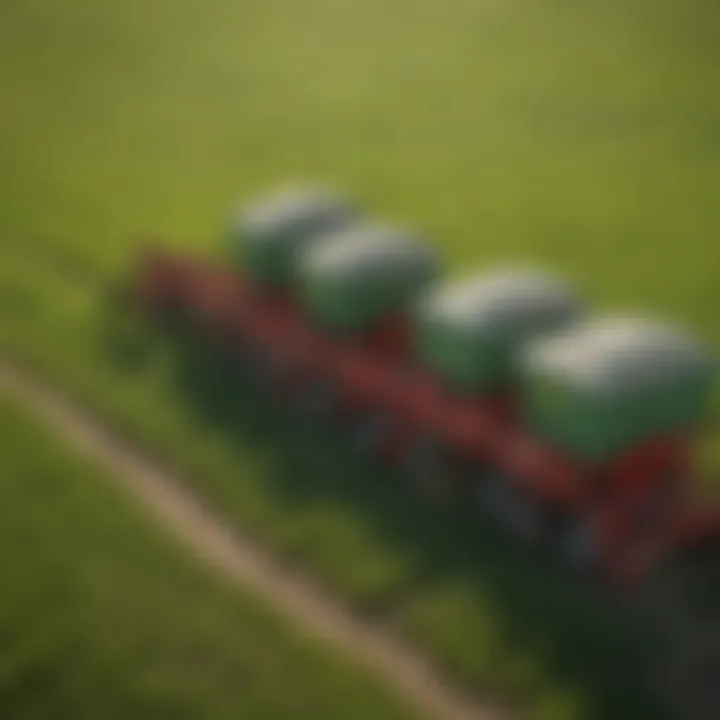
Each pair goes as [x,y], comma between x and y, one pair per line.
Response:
[574,432]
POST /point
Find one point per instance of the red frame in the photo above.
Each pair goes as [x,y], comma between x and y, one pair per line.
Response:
[375,372]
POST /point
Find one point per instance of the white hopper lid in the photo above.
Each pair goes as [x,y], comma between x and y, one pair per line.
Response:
[509,298]
[370,248]
[621,353]
[292,207]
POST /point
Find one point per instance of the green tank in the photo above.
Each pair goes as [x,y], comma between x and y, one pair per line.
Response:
[613,382]
[266,237]
[351,279]
[468,331]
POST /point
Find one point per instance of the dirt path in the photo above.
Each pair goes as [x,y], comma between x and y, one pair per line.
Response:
[239,559]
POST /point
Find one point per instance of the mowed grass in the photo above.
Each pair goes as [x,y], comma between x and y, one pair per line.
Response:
[583,135]
[502,622]
[103,617]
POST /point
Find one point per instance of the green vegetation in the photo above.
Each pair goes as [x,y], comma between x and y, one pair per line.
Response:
[578,134]
[497,619]
[103,618]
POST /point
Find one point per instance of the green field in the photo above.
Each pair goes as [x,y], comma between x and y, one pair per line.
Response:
[101,617]
[580,134]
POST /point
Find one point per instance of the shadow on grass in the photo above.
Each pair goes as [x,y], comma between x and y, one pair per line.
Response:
[584,639]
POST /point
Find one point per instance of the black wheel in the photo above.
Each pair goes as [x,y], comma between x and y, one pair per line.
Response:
[211,336]
[231,355]
[514,510]
[681,602]
[689,677]
[433,470]
[369,434]
[235,348]
[576,545]
[318,402]
[264,369]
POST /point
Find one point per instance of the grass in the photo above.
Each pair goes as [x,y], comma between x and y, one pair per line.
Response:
[580,134]
[102,617]
[494,618]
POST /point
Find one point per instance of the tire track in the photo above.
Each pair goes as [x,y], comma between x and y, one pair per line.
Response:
[241,560]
